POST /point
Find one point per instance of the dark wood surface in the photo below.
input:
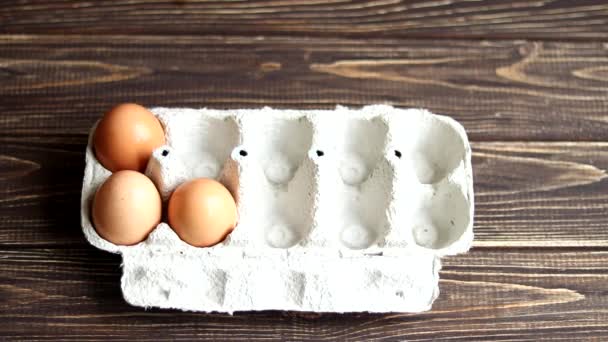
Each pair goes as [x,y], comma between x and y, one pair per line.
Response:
[539,19]
[527,79]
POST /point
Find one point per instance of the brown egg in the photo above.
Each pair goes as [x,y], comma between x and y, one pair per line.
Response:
[126,208]
[126,136]
[202,212]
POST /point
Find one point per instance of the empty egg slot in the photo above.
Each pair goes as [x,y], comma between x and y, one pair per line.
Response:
[442,218]
[436,151]
[283,145]
[275,209]
[289,216]
[431,146]
[362,147]
[354,182]
[364,211]
[202,139]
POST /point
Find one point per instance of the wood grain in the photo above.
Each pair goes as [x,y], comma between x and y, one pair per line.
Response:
[499,90]
[542,19]
[507,294]
[527,79]
[527,193]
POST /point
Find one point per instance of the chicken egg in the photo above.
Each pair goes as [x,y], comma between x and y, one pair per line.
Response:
[126,208]
[202,212]
[126,136]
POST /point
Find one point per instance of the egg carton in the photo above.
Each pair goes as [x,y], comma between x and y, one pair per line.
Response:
[343,210]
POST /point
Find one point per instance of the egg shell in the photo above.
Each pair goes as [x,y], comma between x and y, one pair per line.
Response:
[202,212]
[126,208]
[126,136]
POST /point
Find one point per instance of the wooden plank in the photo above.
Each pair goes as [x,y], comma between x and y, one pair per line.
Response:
[541,194]
[508,90]
[546,19]
[506,294]
[527,193]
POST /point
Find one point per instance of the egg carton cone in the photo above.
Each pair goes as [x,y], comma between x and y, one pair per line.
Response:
[344,210]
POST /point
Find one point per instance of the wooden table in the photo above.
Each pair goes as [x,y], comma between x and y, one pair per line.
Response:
[528,80]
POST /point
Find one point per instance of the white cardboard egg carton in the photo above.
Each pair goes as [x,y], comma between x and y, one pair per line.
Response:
[339,210]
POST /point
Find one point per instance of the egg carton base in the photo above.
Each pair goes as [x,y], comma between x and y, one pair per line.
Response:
[313,283]
[421,177]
